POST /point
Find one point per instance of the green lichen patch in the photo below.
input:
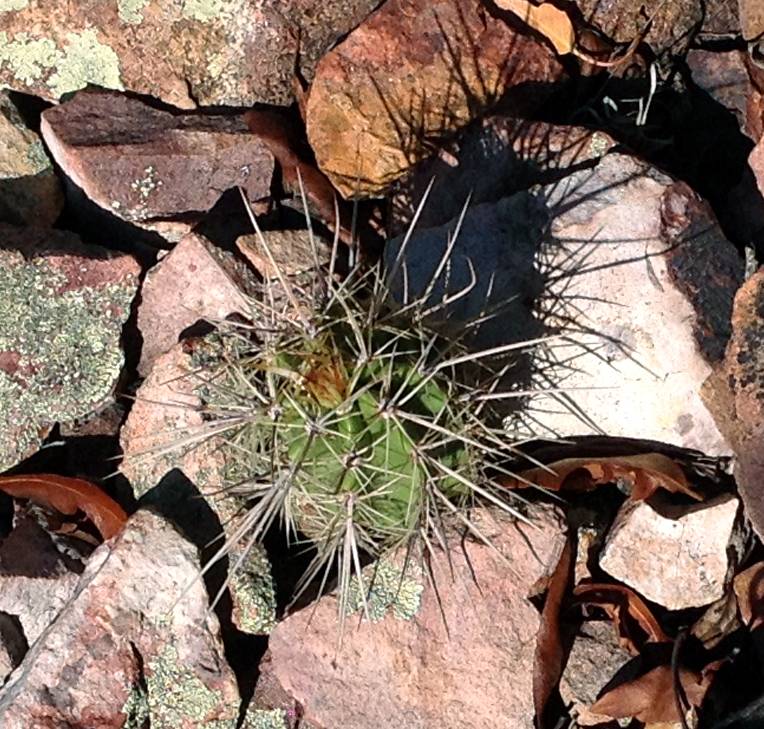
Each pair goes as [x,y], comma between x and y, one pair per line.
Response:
[59,349]
[131,11]
[386,589]
[175,697]
[252,586]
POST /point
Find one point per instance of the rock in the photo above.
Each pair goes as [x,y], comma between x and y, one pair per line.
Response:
[321,24]
[206,52]
[735,395]
[63,305]
[30,192]
[630,273]
[751,19]
[721,17]
[756,162]
[163,432]
[189,53]
[493,158]
[594,659]
[736,390]
[405,667]
[673,23]
[678,557]
[149,166]
[412,73]
[292,251]
[36,578]
[723,76]
[501,240]
[195,281]
[130,642]
[13,645]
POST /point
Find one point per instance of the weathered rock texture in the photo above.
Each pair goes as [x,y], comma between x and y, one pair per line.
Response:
[30,192]
[420,673]
[415,71]
[735,394]
[194,282]
[627,268]
[188,52]
[623,20]
[143,164]
[165,430]
[62,305]
[678,557]
[129,644]
[36,579]
[493,158]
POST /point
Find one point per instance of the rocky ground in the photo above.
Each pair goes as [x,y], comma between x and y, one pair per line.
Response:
[595,173]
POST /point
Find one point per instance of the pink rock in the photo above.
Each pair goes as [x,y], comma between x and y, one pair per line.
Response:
[128,622]
[194,282]
[165,430]
[164,426]
[145,165]
[36,578]
[626,269]
[678,557]
[409,669]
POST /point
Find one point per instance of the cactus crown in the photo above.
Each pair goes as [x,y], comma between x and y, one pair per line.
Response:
[352,419]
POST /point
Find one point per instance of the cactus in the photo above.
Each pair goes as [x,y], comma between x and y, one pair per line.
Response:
[354,420]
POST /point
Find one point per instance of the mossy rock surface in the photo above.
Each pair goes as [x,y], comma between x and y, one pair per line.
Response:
[63,305]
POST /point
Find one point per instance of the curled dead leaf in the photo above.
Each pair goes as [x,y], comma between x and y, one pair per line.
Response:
[627,610]
[549,658]
[749,590]
[650,697]
[67,496]
[645,473]
[556,26]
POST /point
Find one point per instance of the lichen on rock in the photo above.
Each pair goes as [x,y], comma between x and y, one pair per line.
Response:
[131,11]
[174,696]
[386,588]
[84,59]
[59,344]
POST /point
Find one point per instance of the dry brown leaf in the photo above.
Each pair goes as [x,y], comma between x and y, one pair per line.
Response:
[553,23]
[625,608]
[646,473]
[556,26]
[67,496]
[650,697]
[749,590]
[549,658]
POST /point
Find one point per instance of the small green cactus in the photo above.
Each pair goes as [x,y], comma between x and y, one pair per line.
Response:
[353,420]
